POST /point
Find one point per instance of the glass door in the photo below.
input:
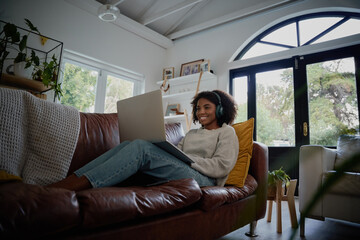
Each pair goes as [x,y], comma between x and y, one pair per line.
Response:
[311,99]
[333,102]
[275,117]
[275,107]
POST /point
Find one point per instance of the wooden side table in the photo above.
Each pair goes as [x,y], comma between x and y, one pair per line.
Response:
[281,196]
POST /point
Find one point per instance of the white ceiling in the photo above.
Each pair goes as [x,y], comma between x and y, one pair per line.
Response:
[162,21]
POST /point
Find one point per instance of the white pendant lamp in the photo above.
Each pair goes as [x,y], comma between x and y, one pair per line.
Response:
[108,12]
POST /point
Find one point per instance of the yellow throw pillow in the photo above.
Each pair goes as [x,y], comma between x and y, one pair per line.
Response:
[244,132]
[6,177]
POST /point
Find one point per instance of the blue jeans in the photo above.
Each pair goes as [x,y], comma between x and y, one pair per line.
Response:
[128,158]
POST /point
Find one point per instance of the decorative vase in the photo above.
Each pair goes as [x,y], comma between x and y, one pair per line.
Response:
[21,71]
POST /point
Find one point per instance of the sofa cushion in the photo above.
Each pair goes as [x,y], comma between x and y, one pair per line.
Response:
[214,197]
[98,134]
[102,206]
[244,132]
[349,184]
[28,210]
[174,132]
[347,145]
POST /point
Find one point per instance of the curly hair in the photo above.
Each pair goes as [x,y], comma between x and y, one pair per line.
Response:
[227,102]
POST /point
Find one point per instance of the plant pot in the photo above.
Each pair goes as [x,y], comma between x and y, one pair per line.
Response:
[273,188]
[21,71]
[271,191]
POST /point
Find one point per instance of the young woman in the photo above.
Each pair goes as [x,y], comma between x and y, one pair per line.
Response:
[213,148]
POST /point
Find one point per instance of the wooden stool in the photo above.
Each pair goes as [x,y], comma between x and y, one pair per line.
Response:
[280,196]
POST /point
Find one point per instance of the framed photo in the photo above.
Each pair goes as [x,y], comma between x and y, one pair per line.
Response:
[168,72]
[171,109]
[190,67]
[205,66]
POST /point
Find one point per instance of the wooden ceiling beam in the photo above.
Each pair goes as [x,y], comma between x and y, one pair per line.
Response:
[168,11]
[116,2]
[255,9]
[191,12]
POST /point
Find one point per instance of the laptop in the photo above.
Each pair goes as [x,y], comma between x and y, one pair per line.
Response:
[142,117]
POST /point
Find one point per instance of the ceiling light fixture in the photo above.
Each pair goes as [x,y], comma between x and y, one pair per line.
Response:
[108,12]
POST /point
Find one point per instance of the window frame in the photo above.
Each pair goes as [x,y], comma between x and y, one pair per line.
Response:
[104,69]
[257,39]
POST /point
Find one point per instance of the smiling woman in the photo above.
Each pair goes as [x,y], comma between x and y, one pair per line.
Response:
[224,104]
[205,112]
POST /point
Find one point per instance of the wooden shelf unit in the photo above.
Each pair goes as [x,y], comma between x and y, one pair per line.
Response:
[37,88]
[181,91]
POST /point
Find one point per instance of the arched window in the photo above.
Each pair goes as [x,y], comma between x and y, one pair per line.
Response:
[301,31]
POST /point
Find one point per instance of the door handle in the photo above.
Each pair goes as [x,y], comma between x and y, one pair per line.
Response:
[305,129]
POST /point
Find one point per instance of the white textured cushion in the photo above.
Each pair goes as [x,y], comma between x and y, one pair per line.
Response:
[347,146]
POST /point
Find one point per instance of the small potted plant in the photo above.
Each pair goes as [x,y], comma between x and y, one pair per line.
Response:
[275,176]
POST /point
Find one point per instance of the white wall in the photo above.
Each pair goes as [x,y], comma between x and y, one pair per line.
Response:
[86,34]
[220,43]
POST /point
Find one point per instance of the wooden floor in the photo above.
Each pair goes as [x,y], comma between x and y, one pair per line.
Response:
[329,229]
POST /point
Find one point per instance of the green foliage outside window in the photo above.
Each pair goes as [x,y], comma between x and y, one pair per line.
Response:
[79,88]
[116,89]
[332,104]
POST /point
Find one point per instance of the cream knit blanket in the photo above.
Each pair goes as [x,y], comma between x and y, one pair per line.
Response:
[37,137]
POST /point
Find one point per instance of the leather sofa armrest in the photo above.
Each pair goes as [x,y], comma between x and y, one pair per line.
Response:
[313,162]
[259,165]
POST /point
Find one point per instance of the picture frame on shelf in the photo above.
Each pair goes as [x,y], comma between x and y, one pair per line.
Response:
[168,72]
[190,67]
[205,66]
[171,109]
[195,69]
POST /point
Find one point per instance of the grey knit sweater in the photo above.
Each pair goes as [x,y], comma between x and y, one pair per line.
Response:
[214,152]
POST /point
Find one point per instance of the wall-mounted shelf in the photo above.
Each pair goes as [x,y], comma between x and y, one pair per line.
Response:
[23,83]
[193,78]
[175,118]
[181,91]
[180,95]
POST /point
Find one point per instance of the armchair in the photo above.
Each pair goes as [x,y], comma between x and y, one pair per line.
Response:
[341,201]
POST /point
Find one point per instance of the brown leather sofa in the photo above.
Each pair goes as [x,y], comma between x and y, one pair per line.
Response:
[136,209]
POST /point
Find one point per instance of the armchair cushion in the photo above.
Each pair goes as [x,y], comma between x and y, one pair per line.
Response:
[347,146]
[348,185]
